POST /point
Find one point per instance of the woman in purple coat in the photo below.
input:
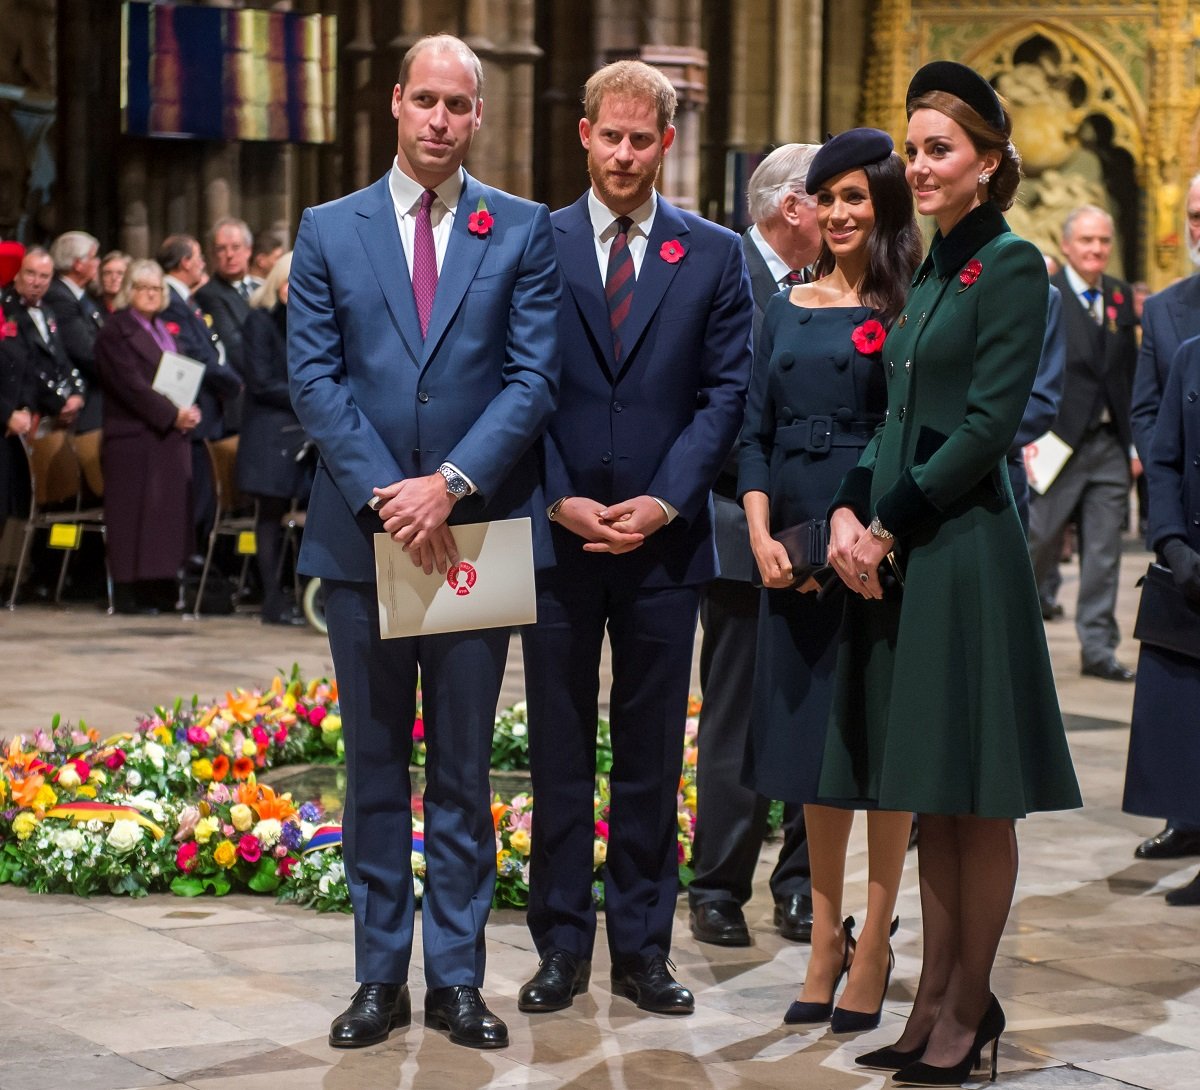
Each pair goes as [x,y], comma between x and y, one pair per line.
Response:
[146,453]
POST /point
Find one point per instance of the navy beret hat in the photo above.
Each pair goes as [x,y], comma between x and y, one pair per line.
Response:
[962,82]
[849,150]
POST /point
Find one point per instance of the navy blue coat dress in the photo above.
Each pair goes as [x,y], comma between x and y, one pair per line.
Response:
[1162,777]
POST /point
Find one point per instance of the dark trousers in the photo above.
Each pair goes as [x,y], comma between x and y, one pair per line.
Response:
[460,677]
[651,633]
[268,542]
[731,820]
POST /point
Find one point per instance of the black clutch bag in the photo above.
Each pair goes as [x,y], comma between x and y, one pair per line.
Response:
[1166,616]
[807,545]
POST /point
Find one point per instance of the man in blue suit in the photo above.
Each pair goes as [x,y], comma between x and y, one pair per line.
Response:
[655,340]
[422,352]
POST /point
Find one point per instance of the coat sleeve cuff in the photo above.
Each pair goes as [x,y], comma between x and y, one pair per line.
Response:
[904,507]
[855,493]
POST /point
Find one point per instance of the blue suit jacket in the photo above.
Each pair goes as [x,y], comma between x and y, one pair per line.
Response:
[1169,318]
[221,382]
[382,404]
[661,420]
[1173,461]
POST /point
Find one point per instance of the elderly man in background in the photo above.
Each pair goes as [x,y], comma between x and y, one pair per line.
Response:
[76,256]
[730,818]
[225,297]
[268,248]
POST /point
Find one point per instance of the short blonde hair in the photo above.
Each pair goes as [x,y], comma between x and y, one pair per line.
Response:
[139,272]
[266,295]
[631,79]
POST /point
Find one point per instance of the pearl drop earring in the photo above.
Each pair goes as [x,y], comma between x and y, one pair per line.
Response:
[984,179]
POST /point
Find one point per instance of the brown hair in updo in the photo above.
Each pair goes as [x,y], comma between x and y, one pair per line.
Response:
[1002,189]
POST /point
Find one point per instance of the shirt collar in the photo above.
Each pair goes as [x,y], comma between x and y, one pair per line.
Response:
[778,267]
[72,287]
[603,217]
[406,191]
[1077,282]
[185,293]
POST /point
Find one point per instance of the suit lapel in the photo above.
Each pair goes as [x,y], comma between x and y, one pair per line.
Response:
[762,284]
[380,237]
[1184,308]
[464,253]
[655,277]
[580,270]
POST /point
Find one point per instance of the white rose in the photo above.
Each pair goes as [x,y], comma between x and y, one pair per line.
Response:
[268,832]
[133,778]
[156,753]
[68,777]
[519,708]
[337,872]
[70,840]
[519,730]
[123,837]
[323,884]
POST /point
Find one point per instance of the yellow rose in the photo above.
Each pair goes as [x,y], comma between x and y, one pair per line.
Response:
[225,854]
[242,817]
[599,853]
[87,791]
[68,777]
[249,749]
[520,842]
[331,722]
[24,824]
[202,769]
[205,828]
[501,856]
[45,799]
[98,777]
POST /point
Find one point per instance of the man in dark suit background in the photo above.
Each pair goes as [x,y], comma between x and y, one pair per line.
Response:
[76,256]
[655,341]
[422,351]
[1169,318]
[730,818]
[1093,420]
[225,296]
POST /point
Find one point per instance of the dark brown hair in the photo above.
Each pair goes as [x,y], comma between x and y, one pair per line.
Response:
[1002,187]
[894,245]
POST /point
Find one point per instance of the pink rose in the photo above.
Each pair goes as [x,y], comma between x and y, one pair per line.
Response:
[260,736]
[115,759]
[185,858]
[249,848]
[316,715]
[281,736]
[284,869]
[418,729]
[602,829]
[198,736]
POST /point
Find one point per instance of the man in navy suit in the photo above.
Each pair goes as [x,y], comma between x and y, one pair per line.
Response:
[76,256]
[655,340]
[422,352]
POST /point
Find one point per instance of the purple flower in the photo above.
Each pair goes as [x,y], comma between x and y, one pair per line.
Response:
[291,837]
[310,812]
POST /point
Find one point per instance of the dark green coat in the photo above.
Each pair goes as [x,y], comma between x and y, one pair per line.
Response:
[945,701]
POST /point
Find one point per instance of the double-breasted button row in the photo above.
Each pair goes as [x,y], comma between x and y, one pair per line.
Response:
[606,457]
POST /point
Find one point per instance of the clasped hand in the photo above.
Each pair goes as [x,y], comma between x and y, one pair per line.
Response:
[618,528]
[414,512]
[855,551]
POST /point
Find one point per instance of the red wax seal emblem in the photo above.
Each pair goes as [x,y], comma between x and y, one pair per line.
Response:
[461,577]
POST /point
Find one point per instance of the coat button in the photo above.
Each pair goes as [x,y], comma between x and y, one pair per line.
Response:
[606,457]
[1196,461]
[1191,395]
[786,359]
[617,407]
[416,452]
[887,413]
[422,397]
[785,414]
[902,412]
[908,365]
[891,369]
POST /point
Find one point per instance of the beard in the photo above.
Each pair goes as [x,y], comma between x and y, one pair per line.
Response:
[622,190]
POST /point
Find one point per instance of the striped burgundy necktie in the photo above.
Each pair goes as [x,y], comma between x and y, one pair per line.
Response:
[424,270]
[618,284]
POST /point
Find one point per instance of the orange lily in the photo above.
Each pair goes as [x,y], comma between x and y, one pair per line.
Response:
[499,809]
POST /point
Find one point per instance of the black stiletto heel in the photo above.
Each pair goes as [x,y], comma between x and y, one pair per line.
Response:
[850,1021]
[990,1029]
[801,1012]
[891,1058]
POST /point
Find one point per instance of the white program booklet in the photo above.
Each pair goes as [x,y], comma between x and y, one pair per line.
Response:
[178,379]
[490,587]
[1044,459]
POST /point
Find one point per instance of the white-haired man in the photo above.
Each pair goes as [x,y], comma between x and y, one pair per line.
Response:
[780,244]
[76,257]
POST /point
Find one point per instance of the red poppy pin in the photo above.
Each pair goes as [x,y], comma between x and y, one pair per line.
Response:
[671,251]
[173,328]
[1118,297]
[479,222]
[8,329]
[868,338]
[1112,314]
[970,273]
[52,326]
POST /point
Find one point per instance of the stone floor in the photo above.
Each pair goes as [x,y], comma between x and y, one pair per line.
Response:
[1099,979]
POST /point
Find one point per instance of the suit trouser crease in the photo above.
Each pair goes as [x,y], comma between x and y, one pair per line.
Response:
[460,675]
[1096,478]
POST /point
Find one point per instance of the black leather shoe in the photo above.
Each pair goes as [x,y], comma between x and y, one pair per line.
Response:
[793,917]
[374,1012]
[289,615]
[560,978]
[461,1009]
[1186,895]
[1171,843]
[720,923]
[1051,611]
[1108,670]
[648,982]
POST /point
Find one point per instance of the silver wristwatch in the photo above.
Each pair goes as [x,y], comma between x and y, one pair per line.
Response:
[877,530]
[456,483]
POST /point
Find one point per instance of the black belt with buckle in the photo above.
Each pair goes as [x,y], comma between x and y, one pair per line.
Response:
[819,434]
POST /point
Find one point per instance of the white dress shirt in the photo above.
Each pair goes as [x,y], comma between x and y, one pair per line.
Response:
[779,268]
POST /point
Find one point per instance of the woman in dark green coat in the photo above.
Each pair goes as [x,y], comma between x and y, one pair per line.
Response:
[945,702]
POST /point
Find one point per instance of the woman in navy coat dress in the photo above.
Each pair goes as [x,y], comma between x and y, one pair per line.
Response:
[1162,778]
[271,438]
[817,397]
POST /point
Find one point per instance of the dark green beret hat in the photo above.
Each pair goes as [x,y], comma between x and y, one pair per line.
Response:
[849,150]
[962,82]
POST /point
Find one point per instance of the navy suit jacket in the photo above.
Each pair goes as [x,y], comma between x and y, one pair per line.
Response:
[1169,318]
[1173,462]
[382,404]
[197,341]
[661,420]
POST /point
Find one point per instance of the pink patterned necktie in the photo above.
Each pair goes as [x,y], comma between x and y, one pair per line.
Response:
[424,268]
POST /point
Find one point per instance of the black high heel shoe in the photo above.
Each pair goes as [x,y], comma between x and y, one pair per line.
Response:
[801,1012]
[845,1020]
[891,1058]
[923,1074]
